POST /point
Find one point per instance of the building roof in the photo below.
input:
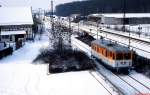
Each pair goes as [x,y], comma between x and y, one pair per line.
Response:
[121,15]
[12,32]
[95,15]
[111,46]
[15,16]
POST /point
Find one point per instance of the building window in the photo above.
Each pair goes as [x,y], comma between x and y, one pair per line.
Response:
[11,38]
[5,36]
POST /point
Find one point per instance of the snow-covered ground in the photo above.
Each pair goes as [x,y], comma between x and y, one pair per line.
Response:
[20,76]
[27,53]
[28,79]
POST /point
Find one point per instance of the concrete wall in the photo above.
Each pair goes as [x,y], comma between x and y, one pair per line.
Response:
[111,21]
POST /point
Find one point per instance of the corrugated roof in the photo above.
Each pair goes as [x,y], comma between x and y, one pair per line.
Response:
[15,16]
[111,46]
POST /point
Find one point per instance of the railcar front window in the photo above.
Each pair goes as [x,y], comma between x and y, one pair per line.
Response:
[127,56]
[119,56]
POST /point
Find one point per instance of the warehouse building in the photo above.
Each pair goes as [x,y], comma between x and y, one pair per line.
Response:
[119,18]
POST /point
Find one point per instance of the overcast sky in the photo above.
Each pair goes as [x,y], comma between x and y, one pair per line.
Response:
[44,4]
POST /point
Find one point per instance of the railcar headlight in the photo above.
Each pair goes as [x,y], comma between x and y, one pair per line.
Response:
[124,62]
[130,64]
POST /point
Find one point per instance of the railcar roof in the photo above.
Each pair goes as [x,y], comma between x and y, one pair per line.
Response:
[111,46]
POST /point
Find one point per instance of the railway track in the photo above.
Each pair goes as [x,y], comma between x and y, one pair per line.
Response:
[139,87]
[134,41]
[101,83]
[139,82]
[94,30]
[132,38]
[125,84]
[127,37]
[147,41]
[119,34]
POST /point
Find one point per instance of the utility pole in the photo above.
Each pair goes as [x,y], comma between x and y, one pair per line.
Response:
[70,32]
[52,34]
[78,27]
[52,18]
[97,28]
[0,33]
[125,21]
[124,15]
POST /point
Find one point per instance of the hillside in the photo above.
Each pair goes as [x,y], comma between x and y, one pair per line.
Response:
[103,6]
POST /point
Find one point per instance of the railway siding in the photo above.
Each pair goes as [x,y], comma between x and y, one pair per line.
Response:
[141,46]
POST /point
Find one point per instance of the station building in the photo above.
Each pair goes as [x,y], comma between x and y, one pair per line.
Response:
[16,25]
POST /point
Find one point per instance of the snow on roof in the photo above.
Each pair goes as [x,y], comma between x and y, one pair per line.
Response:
[95,15]
[121,15]
[15,16]
[12,32]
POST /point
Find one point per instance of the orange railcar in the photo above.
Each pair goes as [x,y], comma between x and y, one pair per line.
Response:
[112,54]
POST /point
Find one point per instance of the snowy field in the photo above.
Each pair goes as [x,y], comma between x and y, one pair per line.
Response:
[19,76]
[28,79]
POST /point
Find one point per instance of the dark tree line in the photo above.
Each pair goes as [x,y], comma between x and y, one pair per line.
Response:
[103,6]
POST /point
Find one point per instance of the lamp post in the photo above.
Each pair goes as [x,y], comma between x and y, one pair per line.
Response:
[140,30]
[90,31]
[78,26]
[124,15]
[129,38]
[97,28]
[69,32]
[125,21]
[0,33]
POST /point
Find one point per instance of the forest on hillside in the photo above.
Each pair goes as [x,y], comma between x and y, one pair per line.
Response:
[103,6]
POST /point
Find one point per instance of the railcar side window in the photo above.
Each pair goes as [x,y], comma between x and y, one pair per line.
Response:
[96,48]
[110,54]
[106,53]
[99,49]
[113,56]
